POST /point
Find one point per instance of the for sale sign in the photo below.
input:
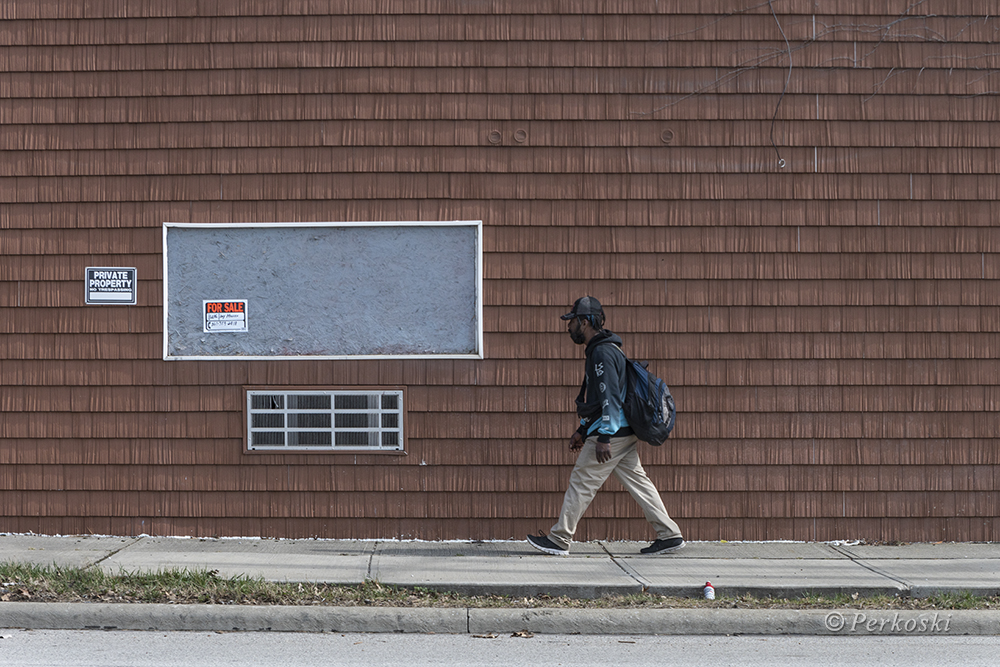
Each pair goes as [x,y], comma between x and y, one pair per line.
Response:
[110,285]
[225,315]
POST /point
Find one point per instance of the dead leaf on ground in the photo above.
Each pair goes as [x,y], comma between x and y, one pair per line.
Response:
[523,634]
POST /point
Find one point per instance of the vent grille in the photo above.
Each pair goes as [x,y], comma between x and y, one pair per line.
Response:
[325,420]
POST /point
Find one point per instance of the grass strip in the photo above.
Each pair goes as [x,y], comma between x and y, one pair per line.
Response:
[53,583]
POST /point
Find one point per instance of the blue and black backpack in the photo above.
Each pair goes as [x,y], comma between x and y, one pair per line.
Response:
[649,407]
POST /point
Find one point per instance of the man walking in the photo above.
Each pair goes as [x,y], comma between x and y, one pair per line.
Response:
[604,439]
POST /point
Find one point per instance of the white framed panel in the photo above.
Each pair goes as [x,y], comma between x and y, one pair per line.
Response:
[332,290]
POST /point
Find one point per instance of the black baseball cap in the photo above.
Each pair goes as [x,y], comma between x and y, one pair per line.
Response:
[585,305]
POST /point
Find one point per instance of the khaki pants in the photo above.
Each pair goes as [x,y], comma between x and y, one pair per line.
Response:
[588,476]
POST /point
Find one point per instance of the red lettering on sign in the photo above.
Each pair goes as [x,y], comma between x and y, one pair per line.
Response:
[233,307]
[213,307]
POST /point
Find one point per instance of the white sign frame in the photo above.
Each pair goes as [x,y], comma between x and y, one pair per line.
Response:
[226,321]
[89,296]
[179,354]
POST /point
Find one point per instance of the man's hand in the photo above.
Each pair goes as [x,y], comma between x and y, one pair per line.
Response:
[603,452]
[575,441]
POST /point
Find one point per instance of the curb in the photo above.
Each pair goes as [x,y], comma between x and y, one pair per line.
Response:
[481,621]
[224,618]
[842,622]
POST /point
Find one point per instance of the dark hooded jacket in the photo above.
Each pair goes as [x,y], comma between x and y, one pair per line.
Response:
[599,404]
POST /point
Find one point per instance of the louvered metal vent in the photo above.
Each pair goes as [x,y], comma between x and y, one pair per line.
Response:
[325,420]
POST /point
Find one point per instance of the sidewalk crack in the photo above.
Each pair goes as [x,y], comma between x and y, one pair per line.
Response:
[631,575]
[114,553]
[871,568]
[371,558]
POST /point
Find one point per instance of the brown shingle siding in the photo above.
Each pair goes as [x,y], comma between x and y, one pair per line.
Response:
[826,326]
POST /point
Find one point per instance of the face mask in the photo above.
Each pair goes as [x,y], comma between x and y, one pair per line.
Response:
[576,333]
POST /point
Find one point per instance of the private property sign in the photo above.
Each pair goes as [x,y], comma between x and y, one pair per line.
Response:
[110,285]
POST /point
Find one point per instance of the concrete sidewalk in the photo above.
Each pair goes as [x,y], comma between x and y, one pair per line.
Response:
[593,569]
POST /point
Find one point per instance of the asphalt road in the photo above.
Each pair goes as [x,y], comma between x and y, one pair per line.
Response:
[94,648]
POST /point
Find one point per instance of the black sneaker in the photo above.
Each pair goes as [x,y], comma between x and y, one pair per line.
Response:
[664,546]
[543,543]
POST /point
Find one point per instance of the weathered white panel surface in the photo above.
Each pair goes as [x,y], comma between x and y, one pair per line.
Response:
[332,290]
